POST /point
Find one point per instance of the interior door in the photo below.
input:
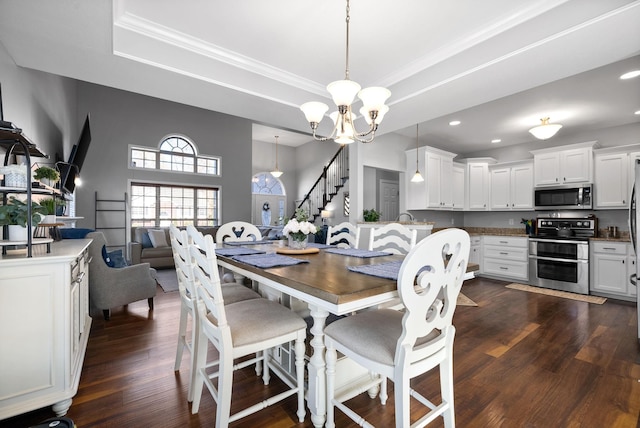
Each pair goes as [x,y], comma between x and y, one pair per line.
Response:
[389,199]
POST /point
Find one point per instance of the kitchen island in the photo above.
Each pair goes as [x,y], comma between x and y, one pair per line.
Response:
[44,325]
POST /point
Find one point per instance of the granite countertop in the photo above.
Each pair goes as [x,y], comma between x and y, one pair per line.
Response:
[495,231]
[407,223]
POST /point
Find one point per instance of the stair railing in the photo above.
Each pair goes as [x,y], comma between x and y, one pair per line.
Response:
[331,180]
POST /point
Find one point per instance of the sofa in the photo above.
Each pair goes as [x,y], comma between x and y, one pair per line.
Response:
[148,246]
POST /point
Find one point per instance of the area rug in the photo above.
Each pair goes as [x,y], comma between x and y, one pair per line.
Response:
[465,301]
[167,279]
[564,294]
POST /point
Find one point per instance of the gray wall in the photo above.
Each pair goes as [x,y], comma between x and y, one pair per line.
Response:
[120,118]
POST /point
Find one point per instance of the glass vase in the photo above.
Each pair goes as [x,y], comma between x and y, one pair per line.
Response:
[297,245]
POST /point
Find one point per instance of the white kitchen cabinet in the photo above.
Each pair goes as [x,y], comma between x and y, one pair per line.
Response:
[611,265]
[611,180]
[458,186]
[478,183]
[505,257]
[44,325]
[564,165]
[436,191]
[512,186]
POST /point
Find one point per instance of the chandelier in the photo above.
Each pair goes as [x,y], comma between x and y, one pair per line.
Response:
[343,93]
[545,130]
[276,172]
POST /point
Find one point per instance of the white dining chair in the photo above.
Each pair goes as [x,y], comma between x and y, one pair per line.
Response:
[238,330]
[236,231]
[401,345]
[393,237]
[187,289]
[343,235]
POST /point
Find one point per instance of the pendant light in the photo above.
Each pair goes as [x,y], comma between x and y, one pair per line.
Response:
[417,177]
[276,172]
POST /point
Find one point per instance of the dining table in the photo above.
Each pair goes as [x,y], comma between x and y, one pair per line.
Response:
[324,278]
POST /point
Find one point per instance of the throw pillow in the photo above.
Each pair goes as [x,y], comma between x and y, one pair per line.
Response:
[158,238]
[106,257]
[146,241]
[73,232]
[117,259]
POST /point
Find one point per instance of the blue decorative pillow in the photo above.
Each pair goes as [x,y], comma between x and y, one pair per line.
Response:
[117,259]
[73,232]
[106,257]
[146,241]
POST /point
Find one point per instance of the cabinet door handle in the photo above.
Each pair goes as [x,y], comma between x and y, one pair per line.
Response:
[633,279]
[504,254]
[504,242]
[504,268]
[608,248]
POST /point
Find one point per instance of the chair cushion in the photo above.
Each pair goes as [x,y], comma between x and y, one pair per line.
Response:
[233,293]
[252,321]
[372,334]
[158,238]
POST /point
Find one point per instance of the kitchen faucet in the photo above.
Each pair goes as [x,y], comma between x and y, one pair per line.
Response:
[407,214]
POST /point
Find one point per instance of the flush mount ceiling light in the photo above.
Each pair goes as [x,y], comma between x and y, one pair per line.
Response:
[454,123]
[276,172]
[343,93]
[417,177]
[545,130]
[630,75]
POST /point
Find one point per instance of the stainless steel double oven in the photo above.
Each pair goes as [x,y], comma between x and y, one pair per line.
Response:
[559,253]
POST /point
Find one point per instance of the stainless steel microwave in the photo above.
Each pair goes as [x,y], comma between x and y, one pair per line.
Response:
[568,197]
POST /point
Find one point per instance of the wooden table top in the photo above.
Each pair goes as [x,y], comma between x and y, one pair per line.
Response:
[326,276]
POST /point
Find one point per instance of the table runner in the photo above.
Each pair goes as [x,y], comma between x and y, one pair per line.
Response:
[266,261]
[240,251]
[354,252]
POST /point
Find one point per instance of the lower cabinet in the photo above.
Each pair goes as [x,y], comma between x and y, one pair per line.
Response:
[612,263]
[475,252]
[44,325]
[505,257]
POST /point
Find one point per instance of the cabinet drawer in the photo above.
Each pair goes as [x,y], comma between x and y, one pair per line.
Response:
[609,247]
[505,253]
[509,241]
[505,268]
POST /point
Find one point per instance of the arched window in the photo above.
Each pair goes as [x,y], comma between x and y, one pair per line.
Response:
[177,154]
[266,184]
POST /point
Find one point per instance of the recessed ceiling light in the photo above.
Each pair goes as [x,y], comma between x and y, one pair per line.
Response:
[455,123]
[630,75]
[496,140]
[637,112]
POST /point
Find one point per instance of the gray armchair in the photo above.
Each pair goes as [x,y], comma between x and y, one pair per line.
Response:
[110,287]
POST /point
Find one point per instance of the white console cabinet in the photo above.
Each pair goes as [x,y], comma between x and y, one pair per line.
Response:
[44,326]
[611,265]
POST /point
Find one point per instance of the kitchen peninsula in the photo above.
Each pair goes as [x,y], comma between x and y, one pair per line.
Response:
[44,325]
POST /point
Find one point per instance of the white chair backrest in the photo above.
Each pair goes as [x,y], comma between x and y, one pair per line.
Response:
[184,270]
[429,282]
[345,235]
[238,231]
[393,237]
[208,288]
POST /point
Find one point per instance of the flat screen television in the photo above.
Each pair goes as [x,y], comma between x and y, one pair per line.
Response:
[68,173]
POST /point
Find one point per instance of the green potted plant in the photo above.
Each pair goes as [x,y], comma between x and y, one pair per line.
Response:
[50,205]
[14,214]
[371,215]
[46,173]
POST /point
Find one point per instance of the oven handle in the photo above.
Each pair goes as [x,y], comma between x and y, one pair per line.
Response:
[559,241]
[554,259]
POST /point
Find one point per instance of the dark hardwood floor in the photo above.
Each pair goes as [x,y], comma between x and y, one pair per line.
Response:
[520,360]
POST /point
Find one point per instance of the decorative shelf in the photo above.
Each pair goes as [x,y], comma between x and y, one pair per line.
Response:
[10,136]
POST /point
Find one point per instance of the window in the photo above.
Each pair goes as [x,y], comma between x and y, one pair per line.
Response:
[161,204]
[266,184]
[175,154]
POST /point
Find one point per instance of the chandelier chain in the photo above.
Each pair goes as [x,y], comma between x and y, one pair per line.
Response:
[346,71]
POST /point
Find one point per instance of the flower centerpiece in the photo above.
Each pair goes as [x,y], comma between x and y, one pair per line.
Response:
[298,228]
[528,225]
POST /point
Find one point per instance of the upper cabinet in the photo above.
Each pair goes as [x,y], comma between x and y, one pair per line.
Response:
[564,165]
[512,186]
[436,191]
[611,180]
[458,186]
[477,183]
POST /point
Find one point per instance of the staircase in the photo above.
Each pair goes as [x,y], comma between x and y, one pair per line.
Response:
[331,180]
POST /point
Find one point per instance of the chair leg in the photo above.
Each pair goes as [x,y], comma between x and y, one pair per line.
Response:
[299,350]
[401,393]
[331,356]
[150,300]
[199,369]
[182,339]
[446,390]
[225,389]
[107,314]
